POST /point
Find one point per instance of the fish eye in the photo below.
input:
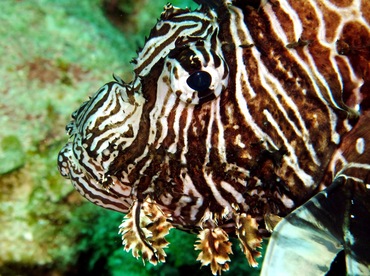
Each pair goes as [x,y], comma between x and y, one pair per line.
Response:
[195,74]
[199,81]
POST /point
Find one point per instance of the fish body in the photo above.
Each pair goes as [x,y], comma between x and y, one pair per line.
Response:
[239,113]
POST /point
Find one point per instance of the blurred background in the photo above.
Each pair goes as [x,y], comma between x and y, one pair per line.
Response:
[54,55]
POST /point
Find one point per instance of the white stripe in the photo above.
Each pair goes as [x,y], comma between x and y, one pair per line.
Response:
[189,118]
[273,93]
[190,188]
[154,43]
[360,145]
[290,158]
[221,145]
[275,23]
[176,128]
[230,189]
[239,26]
[297,24]
[217,195]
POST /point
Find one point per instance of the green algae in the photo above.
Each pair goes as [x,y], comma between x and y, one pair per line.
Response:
[12,155]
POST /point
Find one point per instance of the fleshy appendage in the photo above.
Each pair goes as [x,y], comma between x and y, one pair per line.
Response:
[215,249]
[143,231]
[215,245]
[250,240]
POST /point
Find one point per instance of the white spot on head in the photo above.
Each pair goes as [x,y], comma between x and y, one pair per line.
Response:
[360,145]
[287,201]
[335,138]
[347,125]
[166,199]
[238,141]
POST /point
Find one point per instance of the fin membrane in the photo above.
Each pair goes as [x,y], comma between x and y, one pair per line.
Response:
[307,240]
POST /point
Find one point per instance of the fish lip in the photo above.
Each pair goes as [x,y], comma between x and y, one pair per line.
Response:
[64,161]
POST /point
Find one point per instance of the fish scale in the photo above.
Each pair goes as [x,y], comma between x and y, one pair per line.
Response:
[240,117]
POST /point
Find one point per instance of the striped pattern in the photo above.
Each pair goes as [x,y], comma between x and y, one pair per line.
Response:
[101,127]
[279,121]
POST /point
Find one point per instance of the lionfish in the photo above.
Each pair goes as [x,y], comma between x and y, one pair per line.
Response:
[242,116]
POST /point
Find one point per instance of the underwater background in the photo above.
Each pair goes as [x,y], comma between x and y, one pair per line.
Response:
[54,55]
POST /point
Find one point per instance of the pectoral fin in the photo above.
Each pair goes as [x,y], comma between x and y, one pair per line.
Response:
[307,240]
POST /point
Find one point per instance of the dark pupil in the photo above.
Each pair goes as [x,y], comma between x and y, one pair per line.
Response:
[199,81]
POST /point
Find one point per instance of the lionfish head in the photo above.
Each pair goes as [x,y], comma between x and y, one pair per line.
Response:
[113,129]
